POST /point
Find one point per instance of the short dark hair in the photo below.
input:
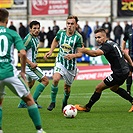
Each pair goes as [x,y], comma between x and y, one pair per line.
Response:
[34,23]
[100,30]
[73,17]
[3,14]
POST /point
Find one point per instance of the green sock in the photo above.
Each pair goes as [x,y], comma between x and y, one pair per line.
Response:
[35,116]
[0,117]
[54,90]
[38,91]
[66,96]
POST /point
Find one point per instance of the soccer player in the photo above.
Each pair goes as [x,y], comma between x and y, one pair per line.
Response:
[33,72]
[69,41]
[9,76]
[119,67]
[128,38]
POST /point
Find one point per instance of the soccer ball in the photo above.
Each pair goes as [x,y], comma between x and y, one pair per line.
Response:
[70,111]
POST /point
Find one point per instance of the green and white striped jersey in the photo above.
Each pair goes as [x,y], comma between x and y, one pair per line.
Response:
[68,45]
[31,43]
[9,40]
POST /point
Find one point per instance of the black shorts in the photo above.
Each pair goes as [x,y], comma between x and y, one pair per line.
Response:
[114,79]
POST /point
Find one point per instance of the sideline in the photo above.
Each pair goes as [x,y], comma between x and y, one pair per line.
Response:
[98,72]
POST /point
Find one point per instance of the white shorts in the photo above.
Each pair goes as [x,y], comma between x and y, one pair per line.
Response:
[35,74]
[68,75]
[16,84]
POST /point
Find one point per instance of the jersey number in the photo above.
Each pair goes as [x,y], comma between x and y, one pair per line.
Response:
[4,47]
[110,78]
[119,52]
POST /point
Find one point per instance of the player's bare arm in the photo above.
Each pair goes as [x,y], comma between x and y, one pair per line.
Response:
[32,64]
[22,55]
[53,46]
[127,57]
[123,45]
[92,53]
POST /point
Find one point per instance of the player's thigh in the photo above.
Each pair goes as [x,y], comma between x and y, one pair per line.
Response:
[35,74]
[2,89]
[56,76]
[58,71]
[69,76]
[114,79]
[101,86]
[17,85]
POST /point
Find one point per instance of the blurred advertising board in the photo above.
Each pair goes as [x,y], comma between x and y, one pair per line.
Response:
[98,72]
[125,8]
[18,10]
[40,58]
[91,7]
[49,7]
[6,3]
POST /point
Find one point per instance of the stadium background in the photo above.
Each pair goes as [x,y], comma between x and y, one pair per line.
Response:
[45,11]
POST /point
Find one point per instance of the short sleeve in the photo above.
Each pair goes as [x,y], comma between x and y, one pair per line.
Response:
[106,48]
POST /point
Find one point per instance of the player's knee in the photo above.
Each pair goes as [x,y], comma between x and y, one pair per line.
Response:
[98,89]
[67,88]
[67,91]
[45,81]
[28,100]
[30,85]
[56,81]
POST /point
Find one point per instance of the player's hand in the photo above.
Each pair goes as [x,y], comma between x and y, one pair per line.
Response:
[82,49]
[23,75]
[33,65]
[69,56]
[48,54]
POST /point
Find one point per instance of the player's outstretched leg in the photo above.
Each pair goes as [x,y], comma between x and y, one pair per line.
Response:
[129,84]
[33,113]
[94,98]
[54,90]
[82,108]
[66,96]
[39,89]
[37,93]
[126,96]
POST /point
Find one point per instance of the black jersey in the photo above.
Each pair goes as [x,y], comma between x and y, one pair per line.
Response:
[115,57]
[128,36]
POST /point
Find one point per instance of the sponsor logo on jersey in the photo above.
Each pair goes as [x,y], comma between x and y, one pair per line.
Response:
[66,48]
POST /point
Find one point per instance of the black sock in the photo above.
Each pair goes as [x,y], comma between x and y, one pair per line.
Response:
[124,94]
[94,98]
[129,83]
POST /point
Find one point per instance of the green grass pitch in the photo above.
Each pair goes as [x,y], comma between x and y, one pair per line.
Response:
[108,115]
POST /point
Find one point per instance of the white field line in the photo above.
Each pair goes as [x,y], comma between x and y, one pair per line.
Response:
[84,95]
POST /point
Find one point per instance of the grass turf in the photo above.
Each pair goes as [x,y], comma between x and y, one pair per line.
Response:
[108,115]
